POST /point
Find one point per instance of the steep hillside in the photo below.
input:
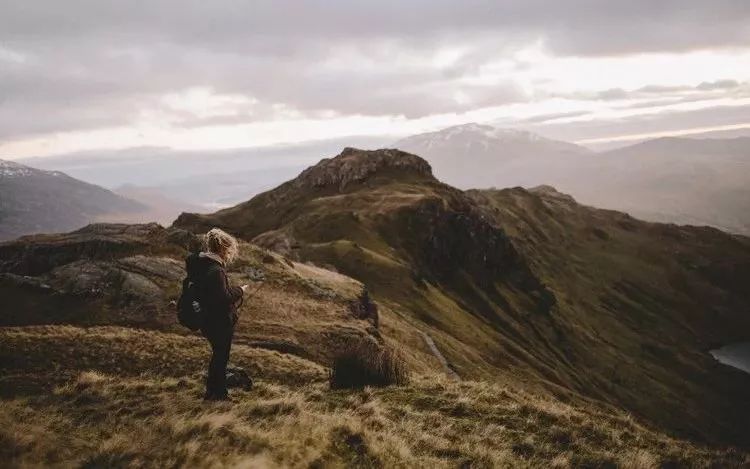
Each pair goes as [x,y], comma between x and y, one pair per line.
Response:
[37,201]
[90,355]
[418,244]
[650,301]
[527,286]
[477,155]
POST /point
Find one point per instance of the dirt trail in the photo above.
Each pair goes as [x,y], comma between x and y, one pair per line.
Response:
[433,348]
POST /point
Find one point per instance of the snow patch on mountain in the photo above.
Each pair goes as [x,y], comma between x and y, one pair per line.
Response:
[10,169]
[474,134]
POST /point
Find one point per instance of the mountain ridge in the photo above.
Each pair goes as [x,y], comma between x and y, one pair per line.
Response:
[698,181]
[34,201]
[527,285]
[488,132]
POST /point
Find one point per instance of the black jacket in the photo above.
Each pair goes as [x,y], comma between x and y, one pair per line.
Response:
[218,299]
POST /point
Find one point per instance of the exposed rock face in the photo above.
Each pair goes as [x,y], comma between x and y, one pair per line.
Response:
[278,241]
[84,291]
[550,192]
[162,267]
[120,282]
[89,275]
[34,255]
[353,165]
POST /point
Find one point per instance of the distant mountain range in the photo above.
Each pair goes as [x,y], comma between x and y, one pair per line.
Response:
[35,201]
[481,156]
[681,180]
[700,181]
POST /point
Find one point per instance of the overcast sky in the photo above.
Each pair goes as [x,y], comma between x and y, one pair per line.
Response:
[81,75]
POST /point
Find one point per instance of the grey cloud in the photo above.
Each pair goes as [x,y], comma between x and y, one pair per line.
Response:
[575,26]
[543,118]
[652,103]
[612,94]
[91,63]
[665,94]
[661,89]
[717,85]
[646,123]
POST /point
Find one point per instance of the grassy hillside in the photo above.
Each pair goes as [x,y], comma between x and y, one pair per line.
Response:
[537,332]
[527,286]
[83,397]
[651,299]
[90,355]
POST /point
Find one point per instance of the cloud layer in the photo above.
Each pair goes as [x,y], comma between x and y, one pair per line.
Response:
[81,65]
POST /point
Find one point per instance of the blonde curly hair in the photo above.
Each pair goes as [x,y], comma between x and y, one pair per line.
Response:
[221,243]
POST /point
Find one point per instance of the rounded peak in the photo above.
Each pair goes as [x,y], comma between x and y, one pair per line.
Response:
[472,131]
[355,165]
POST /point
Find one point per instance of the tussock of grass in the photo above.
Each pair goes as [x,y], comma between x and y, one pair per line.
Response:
[367,363]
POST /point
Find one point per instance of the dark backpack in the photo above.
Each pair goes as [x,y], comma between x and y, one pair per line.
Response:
[189,312]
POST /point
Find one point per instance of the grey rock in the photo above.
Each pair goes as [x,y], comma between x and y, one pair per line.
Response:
[162,267]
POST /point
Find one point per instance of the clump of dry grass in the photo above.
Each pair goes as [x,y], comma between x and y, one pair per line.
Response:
[367,363]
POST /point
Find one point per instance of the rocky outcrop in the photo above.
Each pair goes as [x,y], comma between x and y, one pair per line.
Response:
[550,193]
[135,290]
[108,273]
[35,255]
[353,165]
[277,241]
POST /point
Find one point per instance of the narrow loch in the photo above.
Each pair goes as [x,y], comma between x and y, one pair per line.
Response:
[736,355]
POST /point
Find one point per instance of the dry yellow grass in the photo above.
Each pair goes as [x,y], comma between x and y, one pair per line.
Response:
[111,396]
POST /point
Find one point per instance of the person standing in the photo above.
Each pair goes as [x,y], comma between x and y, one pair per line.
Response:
[219,302]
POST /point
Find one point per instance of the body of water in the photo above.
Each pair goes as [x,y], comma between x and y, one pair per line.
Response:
[736,355]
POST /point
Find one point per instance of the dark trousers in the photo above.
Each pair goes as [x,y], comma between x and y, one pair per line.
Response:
[220,339]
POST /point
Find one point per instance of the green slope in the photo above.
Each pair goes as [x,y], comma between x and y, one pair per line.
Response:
[527,286]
